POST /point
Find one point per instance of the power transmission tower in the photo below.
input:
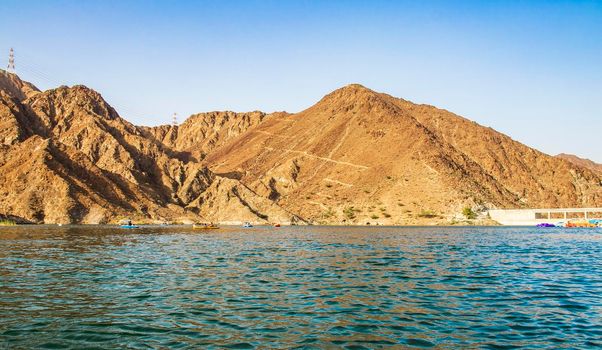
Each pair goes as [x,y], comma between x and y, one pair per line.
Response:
[11,61]
[174,121]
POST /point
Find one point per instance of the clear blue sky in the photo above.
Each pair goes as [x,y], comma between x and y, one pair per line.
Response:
[530,69]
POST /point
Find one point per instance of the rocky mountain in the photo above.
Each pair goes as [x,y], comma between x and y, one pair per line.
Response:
[582,162]
[359,156]
[355,157]
[201,133]
[67,157]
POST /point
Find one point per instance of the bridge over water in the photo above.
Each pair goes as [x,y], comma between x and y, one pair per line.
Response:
[531,217]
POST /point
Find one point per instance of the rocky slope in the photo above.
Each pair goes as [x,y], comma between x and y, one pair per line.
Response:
[582,162]
[15,87]
[534,178]
[67,156]
[359,156]
[201,133]
[355,157]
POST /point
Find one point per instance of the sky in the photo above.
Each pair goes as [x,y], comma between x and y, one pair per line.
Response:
[529,69]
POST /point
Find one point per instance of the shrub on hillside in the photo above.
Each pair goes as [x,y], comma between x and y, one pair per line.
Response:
[469,213]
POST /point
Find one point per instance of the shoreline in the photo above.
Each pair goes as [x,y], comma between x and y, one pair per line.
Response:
[141,225]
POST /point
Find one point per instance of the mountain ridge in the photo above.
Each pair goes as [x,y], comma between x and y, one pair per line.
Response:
[91,166]
[357,156]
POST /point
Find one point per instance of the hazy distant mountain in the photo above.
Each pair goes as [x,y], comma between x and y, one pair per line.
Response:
[356,156]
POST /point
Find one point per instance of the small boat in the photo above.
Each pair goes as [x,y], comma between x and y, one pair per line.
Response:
[247,225]
[130,226]
[545,224]
[276,225]
[205,227]
[127,223]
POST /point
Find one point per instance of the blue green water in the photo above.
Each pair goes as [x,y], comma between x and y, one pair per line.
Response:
[305,287]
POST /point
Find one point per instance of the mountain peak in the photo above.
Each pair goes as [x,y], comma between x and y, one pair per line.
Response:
[349,95]
[355,87]
[67,107]
[82,90]
[352,90]
[357,98]
[15,87]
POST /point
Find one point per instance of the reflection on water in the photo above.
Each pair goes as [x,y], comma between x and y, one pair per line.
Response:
[306,287]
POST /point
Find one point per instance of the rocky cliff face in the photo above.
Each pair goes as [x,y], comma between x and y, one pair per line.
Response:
[67,157]
[357,156]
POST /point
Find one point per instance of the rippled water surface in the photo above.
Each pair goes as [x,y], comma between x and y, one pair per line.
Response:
[306,287]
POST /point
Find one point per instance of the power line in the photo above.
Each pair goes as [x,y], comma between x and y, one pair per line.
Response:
[30,69]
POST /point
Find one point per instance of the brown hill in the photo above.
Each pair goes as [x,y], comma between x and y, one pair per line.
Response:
[356,156]
[67,156]
[582,162]
[360,156]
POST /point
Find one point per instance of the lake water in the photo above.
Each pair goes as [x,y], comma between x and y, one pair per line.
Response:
[305,287]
